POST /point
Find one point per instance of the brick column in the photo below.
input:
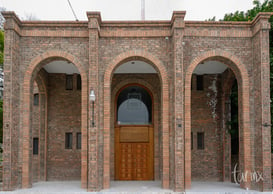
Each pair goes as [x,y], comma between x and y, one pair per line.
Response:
[179,140]
[11,139]
[41,126]
[43,120]
[227,81]
[93,130]
[261,92]
[226,139]
[41,80]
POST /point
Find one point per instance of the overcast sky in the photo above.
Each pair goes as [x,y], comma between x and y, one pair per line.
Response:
[125,9]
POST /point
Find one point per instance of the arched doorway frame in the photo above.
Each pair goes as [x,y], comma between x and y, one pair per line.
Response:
[163,76]
[156,112]
[31,72]
[152,124]
[242,77]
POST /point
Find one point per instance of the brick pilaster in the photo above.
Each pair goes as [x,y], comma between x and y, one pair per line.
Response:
[261,87]
[178,133]
[94,183]
[11,139]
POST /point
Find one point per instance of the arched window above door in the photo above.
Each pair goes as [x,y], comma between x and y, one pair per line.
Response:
[134,106]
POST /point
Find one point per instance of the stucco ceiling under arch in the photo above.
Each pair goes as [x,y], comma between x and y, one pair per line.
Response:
[135,67]
[61,66]
[208,67]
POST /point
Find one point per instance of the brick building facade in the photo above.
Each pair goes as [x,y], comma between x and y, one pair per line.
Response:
[180,71]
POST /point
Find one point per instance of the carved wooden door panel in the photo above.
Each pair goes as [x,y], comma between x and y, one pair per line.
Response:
[134,153]
[141,161]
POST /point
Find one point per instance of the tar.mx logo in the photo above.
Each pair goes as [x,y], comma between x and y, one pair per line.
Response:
[245,176]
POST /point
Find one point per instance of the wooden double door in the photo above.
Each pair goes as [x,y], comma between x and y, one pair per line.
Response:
[134,153]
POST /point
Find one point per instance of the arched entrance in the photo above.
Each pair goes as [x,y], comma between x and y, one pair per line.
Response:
[73,139]
[115,78]
[243,97]
[134,134]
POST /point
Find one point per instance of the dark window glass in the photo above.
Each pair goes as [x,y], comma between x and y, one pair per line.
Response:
[200,140]
[134,106]
[36,99]
[191,140]
[79,140]
[35,145]
[79,82]
[69,82]
[68,140]
[199,82]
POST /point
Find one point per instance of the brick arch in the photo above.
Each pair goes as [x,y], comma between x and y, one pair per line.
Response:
[137,81]
[30,73]
[157,64]
[40,84]
[242,77]
[143,55]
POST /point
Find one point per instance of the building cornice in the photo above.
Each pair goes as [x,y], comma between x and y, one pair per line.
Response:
[161,28]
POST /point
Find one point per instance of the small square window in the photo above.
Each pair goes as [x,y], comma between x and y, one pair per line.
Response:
[35,146]
[68,140]
[79,82]
[69,82]
[199,82]
[200,141]
[79,140]
[36,99]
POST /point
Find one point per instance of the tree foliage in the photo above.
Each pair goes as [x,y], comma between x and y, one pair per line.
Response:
[212,19]
[266,6]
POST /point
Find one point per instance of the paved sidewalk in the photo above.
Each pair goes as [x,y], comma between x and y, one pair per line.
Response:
[132,187]
[220,188]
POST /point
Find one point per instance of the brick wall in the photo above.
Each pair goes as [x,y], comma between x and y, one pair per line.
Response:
[205,115]
[64,115]
[271,165]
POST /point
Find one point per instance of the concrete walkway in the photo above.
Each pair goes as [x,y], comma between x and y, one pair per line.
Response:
[134,187]
[219,187]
